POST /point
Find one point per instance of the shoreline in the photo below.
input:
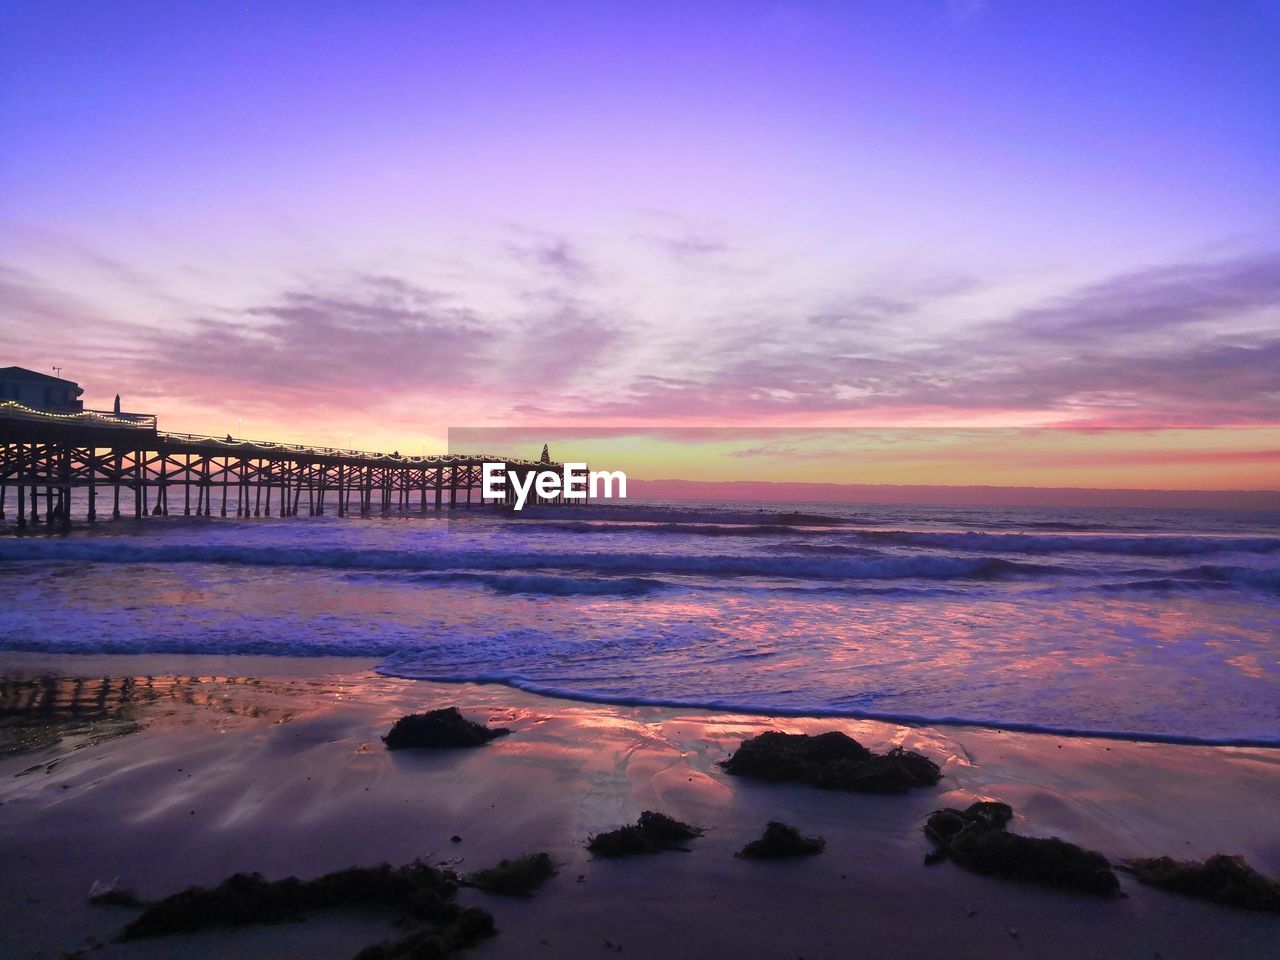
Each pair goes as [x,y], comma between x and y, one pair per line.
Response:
[30,660]
[819,713]
[274,764]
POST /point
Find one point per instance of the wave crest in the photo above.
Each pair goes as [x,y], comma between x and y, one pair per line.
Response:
[489,562]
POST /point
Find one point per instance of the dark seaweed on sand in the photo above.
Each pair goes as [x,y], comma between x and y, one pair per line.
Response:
[421,892]
[977,840]
[831,761]
[116,897]
[515,878]
[1220,879]
[781,840]
[652,833]
[440,728]
[468,928]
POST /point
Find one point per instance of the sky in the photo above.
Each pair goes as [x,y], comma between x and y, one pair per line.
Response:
[911,461]
[366,224]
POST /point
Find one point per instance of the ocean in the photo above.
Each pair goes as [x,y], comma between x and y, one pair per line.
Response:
[1160,625]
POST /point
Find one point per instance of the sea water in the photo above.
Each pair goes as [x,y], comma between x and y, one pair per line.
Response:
[1158,624]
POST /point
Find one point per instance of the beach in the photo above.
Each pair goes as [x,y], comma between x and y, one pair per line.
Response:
[685,481]
[217,764]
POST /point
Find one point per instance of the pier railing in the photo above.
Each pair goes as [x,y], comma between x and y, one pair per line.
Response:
[395,457]
[11,409]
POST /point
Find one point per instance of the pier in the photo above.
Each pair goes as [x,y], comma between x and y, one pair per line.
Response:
[142,471]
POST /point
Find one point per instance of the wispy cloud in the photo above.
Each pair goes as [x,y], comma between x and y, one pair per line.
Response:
[1156,302]
[555,257]
[1183,343]
[376,338]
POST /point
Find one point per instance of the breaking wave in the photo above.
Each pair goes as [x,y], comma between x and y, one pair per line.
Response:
[1151,546]
[105,551]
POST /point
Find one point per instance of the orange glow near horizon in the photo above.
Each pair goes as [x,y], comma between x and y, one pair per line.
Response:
[930,448]
[1171,459]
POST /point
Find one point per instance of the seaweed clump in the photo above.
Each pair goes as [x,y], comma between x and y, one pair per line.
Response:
[421,892]
[469,927]
[1221,879]
[440,728]
[831,761]
[977,840]
[781,840]
[109,895]
[652,833]
[515,878]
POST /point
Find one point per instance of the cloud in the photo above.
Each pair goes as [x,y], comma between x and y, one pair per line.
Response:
[377,337]
[365,342]
[43,323]
[688,246]
[1185,343]
[863,312]
[1143,347]
[560,342]
[555,257]
[562,257]
[1157,301]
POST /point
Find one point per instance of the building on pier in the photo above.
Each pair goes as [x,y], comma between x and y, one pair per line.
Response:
[39,390]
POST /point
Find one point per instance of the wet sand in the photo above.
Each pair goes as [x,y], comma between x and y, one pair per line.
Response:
[201,772]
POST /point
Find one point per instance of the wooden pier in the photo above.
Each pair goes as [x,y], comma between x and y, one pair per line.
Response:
[144,472]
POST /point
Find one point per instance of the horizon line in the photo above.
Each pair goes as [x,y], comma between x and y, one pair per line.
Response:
[967,494]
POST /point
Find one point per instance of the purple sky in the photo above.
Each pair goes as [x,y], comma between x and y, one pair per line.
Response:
[380,219]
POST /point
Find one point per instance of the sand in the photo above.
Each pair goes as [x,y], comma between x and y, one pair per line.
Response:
[285,774]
